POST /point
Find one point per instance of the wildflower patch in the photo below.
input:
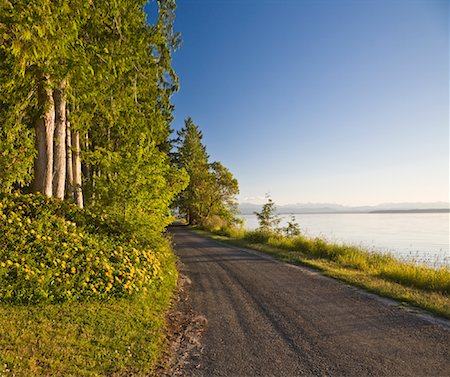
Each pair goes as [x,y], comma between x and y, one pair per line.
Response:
[51,251]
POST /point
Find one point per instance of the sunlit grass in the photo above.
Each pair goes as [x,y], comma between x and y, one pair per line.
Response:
[120,337]
[80,295]
[416,284]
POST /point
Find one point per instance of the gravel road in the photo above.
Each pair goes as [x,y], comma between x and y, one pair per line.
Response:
[267,318]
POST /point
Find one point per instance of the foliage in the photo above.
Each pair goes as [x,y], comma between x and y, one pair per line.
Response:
[102,277]
[210,197]
[119,82]
[16,155]
[267,218]
[16,140]
[140,191]
[46,257]
[292,229]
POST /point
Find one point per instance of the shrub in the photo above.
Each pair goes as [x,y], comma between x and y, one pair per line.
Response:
[51,251]
[258,236]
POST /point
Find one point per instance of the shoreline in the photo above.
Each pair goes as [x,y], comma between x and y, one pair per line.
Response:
[381,211]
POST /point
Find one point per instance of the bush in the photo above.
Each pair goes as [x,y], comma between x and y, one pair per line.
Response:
[258,236]
[51,251]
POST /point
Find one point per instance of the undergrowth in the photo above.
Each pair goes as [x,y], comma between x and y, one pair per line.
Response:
[51,251]
[79,293]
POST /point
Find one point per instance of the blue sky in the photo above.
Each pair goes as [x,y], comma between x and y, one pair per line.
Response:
[340,101]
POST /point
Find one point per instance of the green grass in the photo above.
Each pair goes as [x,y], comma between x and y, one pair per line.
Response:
[412,284]
[80,295]
[120,337]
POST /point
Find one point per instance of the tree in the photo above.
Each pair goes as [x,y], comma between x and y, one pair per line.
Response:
[220,197]
[267,218]
[212,188]
[38,39]
[292,229]
[102,69]
[191,155]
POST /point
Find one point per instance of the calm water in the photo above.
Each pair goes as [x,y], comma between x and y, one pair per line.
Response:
[423,237]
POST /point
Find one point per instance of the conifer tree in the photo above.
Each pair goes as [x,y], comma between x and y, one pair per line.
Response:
[191,155]
[212,188]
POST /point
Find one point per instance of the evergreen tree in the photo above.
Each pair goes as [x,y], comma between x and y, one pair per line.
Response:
[191,155]
[212,188]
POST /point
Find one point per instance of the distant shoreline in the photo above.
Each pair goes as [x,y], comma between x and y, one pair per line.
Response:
[431,210]
[384,211]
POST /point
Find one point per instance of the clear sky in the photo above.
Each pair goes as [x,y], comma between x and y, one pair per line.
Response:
[343,101]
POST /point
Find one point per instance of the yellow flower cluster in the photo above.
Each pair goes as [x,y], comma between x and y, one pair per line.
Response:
[52,259]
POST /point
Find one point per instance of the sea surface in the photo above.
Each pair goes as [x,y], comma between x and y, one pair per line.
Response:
[422,238]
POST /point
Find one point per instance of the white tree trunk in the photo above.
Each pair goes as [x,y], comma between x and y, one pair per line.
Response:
[69,172]
[59,160]
[44,128]
[78,193]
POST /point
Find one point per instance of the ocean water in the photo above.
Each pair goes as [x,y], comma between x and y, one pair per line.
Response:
[421,238]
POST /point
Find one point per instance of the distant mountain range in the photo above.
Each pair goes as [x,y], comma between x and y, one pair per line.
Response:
[441,207]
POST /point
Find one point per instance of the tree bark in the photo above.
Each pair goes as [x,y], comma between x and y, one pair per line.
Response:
[86,173]
[69,171]
[59,160]
[44,129]
[78,193]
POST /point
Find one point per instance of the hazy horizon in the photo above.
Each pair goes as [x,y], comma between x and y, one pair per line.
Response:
[264,200]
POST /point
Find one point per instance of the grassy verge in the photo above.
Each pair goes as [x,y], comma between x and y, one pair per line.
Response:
[79,295]
[116,338]
[415,285]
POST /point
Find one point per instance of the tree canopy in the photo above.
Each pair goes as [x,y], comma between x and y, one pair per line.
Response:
[85,104]
[86,113]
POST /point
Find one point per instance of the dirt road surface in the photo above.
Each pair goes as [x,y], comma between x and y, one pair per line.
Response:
[267,318]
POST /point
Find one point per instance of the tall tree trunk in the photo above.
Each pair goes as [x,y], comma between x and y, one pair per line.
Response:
[78,193]
[59,160]
[69,178]
[87,172]
[44,127]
